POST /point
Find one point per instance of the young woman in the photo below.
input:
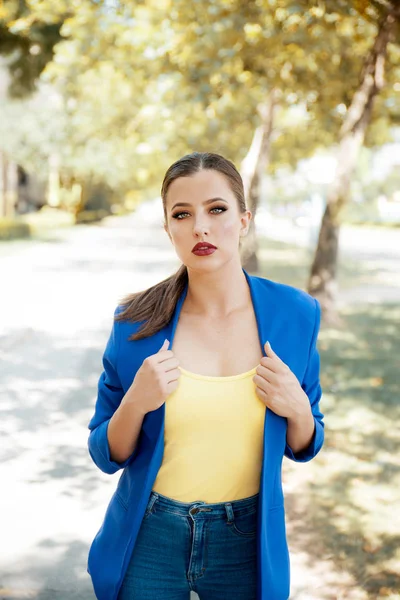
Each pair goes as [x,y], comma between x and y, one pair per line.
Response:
[210,377]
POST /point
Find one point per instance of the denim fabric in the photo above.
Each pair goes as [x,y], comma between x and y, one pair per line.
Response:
[207,548]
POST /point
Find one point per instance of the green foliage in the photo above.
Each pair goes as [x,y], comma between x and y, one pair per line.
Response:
[27,38]
[134,86]
[91,216]
[11,229]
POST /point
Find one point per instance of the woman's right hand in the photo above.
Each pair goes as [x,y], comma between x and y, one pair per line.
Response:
[156,379]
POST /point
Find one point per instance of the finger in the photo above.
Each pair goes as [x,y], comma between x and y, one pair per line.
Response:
[164,346]
[269,374]
[166,354]
[173,375]
[269,352]
[275,359]
[264,385]
[264,397]
[169,364]
[270,364]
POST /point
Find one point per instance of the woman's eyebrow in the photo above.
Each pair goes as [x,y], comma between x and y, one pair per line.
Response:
[205,202]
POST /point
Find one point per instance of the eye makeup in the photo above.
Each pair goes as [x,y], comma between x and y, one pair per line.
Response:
[178,214]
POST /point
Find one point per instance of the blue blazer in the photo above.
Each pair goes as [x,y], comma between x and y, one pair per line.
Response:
[286,316]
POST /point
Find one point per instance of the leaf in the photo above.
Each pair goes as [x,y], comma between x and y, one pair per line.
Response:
[376,381]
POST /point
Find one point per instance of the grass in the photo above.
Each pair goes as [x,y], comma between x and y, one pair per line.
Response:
[343,507]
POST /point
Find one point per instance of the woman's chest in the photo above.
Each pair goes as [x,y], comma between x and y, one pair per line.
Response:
[218,348]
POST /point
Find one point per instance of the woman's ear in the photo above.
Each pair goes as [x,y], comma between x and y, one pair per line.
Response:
[246,223]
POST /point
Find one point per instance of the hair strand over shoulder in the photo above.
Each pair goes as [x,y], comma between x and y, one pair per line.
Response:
[156,305]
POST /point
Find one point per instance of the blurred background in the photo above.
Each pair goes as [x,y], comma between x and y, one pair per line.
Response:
[97,100]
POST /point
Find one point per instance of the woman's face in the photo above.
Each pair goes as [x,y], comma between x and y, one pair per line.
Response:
[218,222]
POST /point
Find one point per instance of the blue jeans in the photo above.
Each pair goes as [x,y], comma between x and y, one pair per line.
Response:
[208,548]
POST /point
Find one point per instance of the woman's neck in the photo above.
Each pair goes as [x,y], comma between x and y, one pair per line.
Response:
[217,294]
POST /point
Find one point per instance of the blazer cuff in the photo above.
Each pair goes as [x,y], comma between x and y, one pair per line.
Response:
[100,450]
[312,449]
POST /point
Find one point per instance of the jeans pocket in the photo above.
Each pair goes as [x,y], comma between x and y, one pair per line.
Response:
[244,524]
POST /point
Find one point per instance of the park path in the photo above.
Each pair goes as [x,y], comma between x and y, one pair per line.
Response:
[56,306]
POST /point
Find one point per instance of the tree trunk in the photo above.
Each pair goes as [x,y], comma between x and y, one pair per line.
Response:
[53,189]
[3,184]
[252,171]
[322,282]
[8,186]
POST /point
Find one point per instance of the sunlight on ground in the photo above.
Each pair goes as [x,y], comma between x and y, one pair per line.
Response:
[343,507]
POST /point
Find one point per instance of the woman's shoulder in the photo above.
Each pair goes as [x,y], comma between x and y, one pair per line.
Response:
[127,326]
[286,295]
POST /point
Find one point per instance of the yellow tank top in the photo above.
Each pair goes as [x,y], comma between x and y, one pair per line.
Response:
[213,439]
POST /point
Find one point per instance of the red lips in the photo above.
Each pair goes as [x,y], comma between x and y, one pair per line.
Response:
[203,245]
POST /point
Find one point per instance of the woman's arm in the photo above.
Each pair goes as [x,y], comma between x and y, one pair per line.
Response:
[111,396]
[124,428]
[312,387]
[300,431]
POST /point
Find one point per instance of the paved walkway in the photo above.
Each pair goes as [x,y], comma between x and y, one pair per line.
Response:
[57,302]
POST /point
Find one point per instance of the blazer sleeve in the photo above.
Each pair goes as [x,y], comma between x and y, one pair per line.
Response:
[109,396]
[311,385]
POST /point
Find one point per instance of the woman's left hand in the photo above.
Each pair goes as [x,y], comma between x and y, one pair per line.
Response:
[278,387]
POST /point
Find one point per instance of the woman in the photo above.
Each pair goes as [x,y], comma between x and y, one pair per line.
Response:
[210,377]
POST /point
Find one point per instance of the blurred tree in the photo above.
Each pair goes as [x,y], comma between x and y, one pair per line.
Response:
[141,84]
[322,283]
[252,171]
[8,186]
[237,56]
[28,33]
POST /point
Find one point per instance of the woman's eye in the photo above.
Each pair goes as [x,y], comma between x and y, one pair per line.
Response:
[177,215]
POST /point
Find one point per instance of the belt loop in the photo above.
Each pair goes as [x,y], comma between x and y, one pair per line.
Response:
[153,498]
[229,512]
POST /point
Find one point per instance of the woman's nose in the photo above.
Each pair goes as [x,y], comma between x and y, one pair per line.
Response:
[200,228]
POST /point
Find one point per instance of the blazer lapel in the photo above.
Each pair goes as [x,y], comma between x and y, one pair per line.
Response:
[268,320]
[153,423]
[265,313]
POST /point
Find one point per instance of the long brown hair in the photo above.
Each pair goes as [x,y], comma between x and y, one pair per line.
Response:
[156,305]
